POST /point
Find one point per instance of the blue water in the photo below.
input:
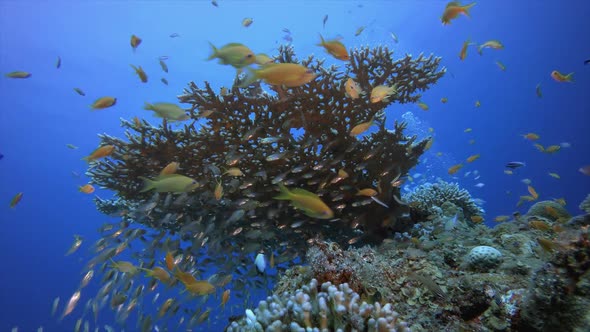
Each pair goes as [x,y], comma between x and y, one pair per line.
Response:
[41,114]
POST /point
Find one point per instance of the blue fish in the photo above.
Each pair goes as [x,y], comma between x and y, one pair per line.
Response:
[1,156]
[515,164]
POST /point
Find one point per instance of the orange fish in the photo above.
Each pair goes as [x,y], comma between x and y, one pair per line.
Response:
[135,41]
[100,152]
[87,189]
[170,261]
[559,77]
[463,53]
[531,136]
[533,192]
[472,158]
[455,168]
[171,168]
[225,297]
[335,48]
[14,201]
[552,148]
[103,102]
[453,9]
[218,191]
[476,219]
[141,73]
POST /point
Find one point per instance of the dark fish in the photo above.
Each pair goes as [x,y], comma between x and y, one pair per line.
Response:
[587,61]
[325,20]
[1,156]
[515,164]
[285,30]
[58,63]
[174,35]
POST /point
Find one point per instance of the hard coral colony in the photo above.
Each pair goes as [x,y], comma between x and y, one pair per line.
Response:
[228,215]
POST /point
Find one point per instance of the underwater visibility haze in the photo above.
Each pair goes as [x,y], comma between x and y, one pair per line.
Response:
[291,165]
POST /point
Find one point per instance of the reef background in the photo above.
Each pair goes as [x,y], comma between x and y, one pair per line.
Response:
[42,114]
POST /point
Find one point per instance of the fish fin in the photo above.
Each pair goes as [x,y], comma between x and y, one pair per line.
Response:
[322,41]
[214,52]
[147,184]
[570,77]
[285,194]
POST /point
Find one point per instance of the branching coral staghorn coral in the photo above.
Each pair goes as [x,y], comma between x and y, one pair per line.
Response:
[233,135]
[320,308]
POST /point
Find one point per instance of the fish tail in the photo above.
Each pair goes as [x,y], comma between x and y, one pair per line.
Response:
[148,106]
[466,9]
[251,77]
[285,193]
[214,52]
[147,184]
[569,77]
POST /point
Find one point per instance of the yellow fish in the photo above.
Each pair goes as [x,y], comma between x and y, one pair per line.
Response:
[18,74]
[171,168]
[455,168]
[168,111]
[472,158]
[423,106]
[170,183]
[335,48]
[554,175]
[103,102]
[235,54]
[100,152]
[247,22]
[382,92]
[135,41]
[494,44]
[141,73]
[552,148]
[452,11]
[263,59]
[559,77]
[352,89]
[361,128]
[288,74]
[308,202]
[531,136]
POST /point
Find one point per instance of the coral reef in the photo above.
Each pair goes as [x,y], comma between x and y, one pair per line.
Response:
[559,292]
[255,131]
[533,287]
[428,197]
[319,308]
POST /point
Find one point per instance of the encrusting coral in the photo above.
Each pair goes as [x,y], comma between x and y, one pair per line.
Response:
[255,133]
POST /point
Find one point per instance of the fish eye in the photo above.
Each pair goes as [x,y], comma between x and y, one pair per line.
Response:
[249,55]
[309,71]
